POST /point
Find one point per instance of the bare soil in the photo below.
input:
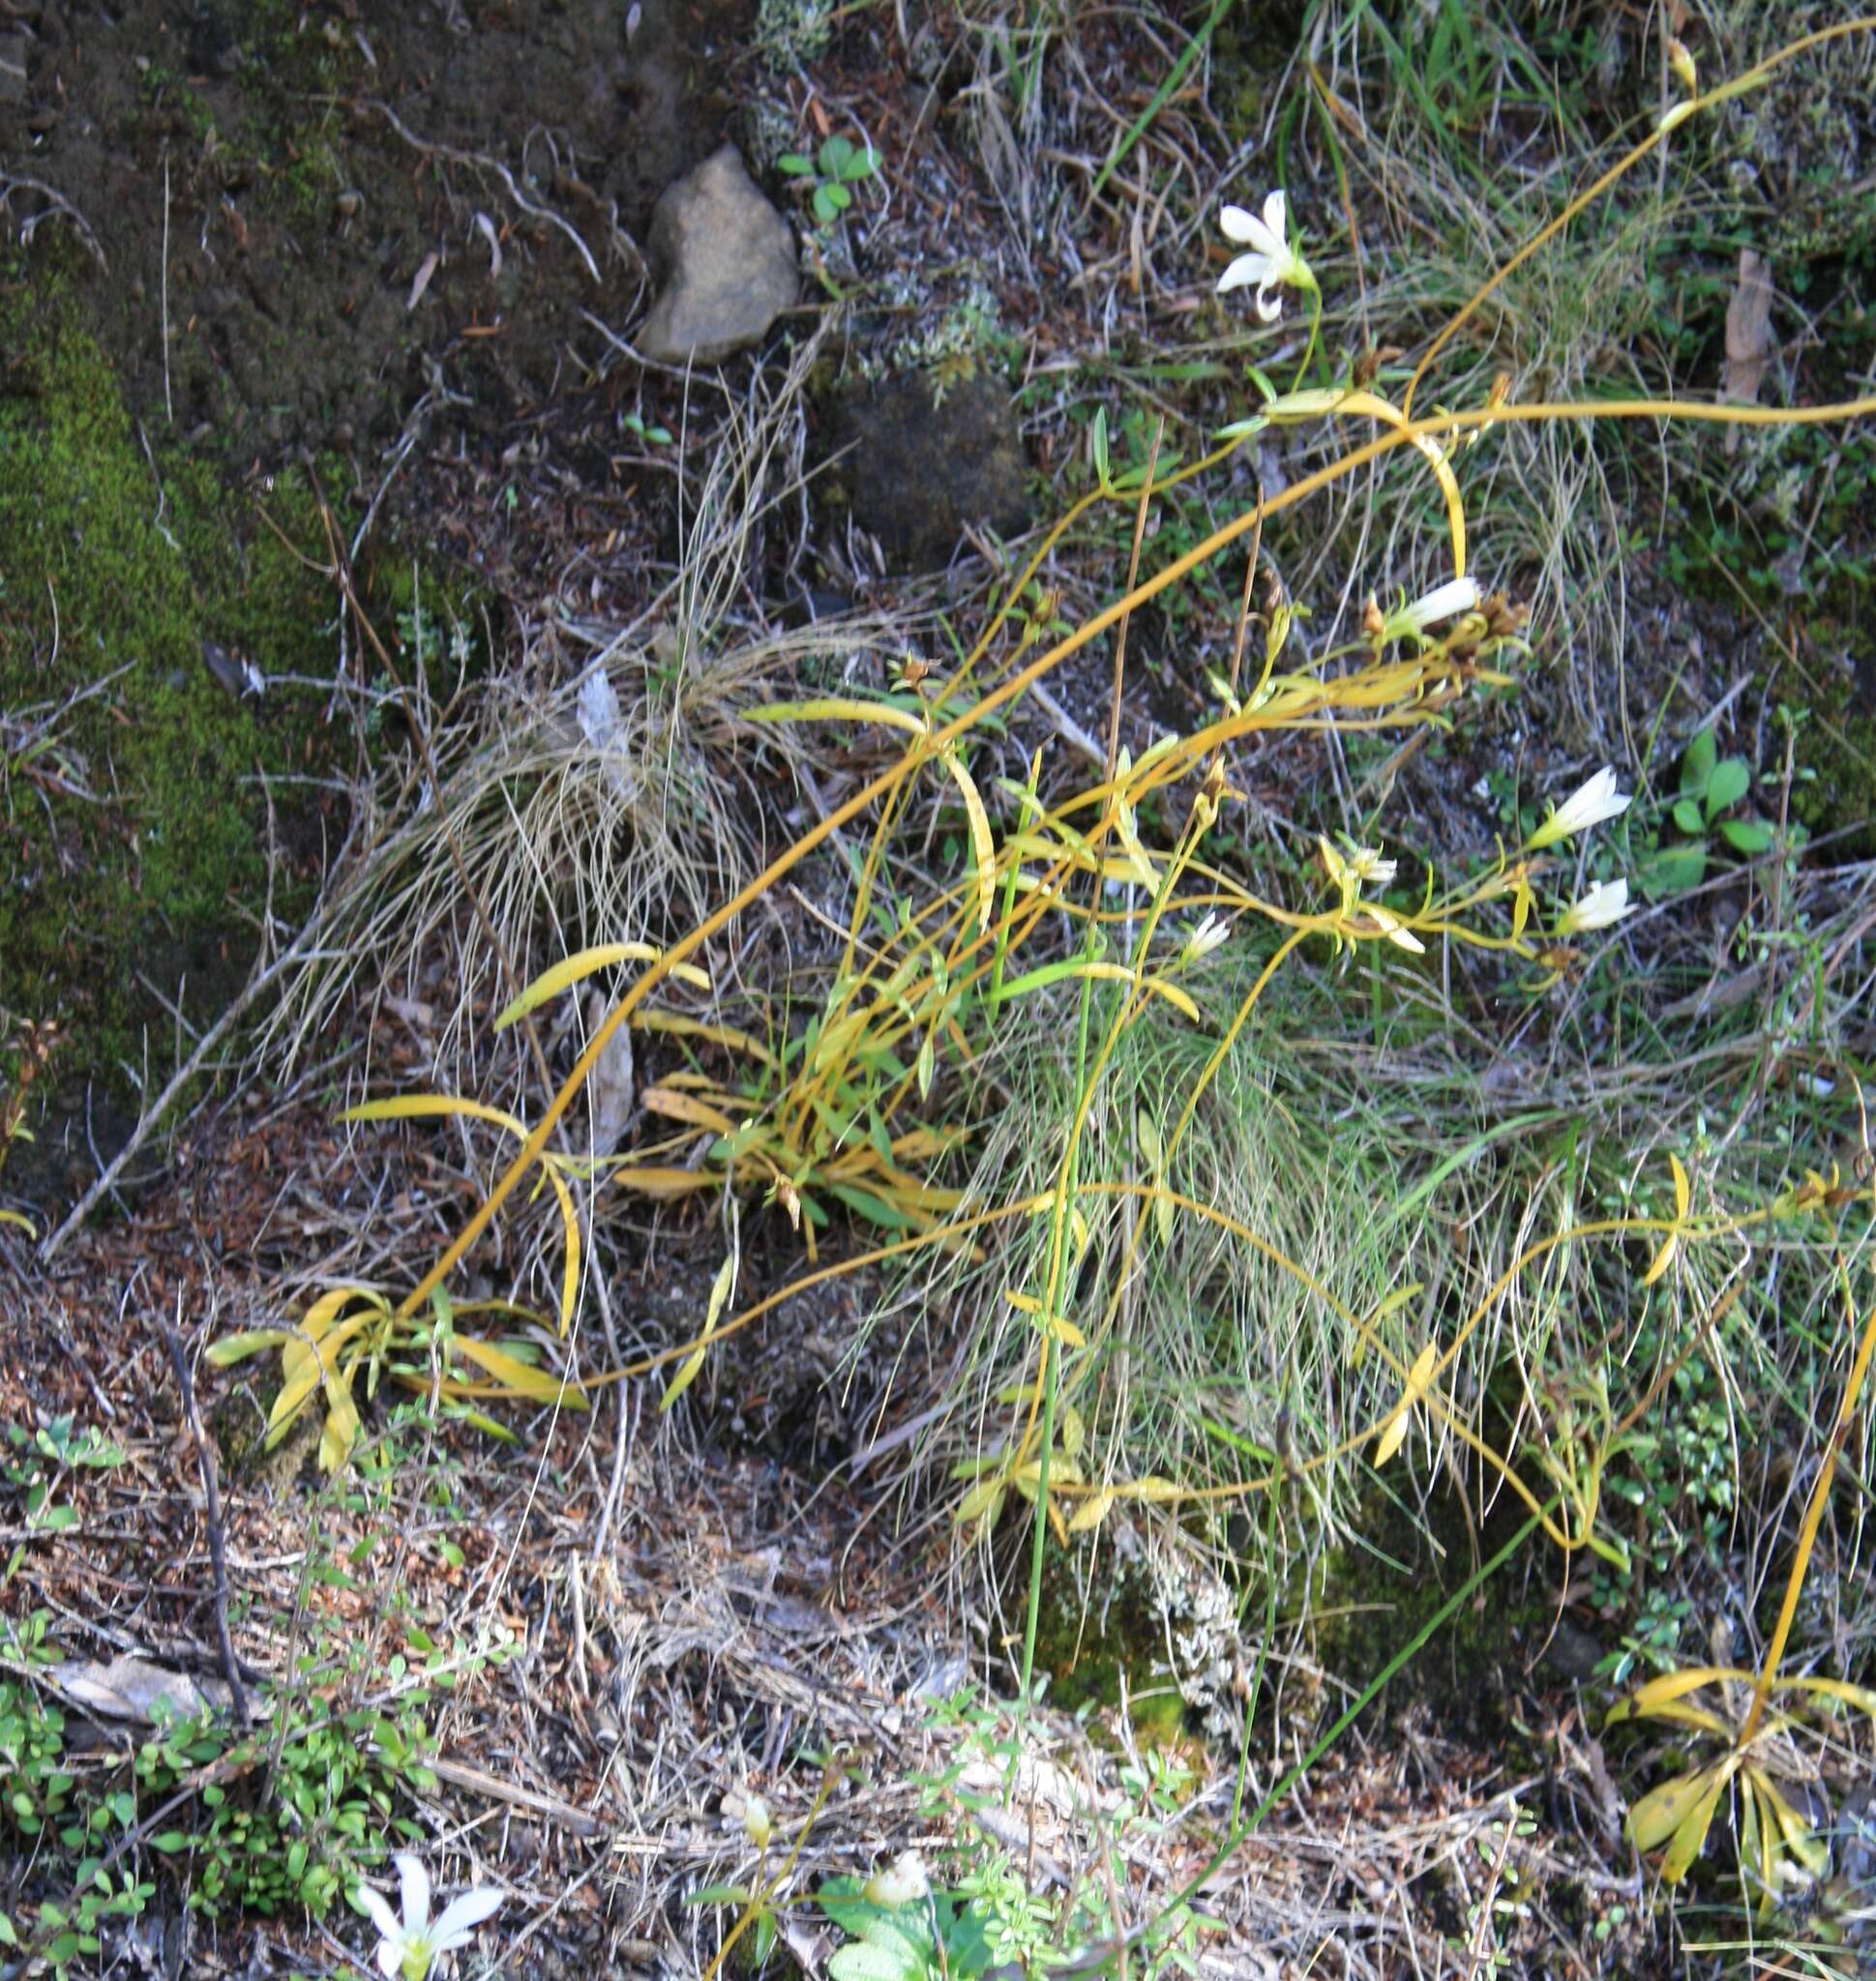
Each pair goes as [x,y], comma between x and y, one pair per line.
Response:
[359,206]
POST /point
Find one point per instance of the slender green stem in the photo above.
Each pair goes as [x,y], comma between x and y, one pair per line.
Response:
[1263,1656]
[1051,1347]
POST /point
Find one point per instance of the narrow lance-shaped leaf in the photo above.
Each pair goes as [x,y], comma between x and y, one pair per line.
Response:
[587,962]
[720,1290]
[1419,1378]
[537,1385]
[983,852]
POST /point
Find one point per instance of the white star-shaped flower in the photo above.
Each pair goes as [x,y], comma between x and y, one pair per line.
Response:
[408,1945]
[1600,906]
[1272,263]
[1590,805]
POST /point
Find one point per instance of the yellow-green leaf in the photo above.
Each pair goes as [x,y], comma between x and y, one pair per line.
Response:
[1663,1811]
[1793,1832]
[1683,1196]
[233,1348]
[1074,1432]
[685,1376]
[428,1107]
[1394,1302]
[330,1304]
[677,1026]
[1393,1433]
[651,1179]
[1858,1696]
[984,1502]
[1680,1714]
[689,1109]
[18,1218]
[1663,1261]
[587,962]
[1691,1836]
[1643,1700]
[538,1386]
[1092,1511]
[983,852]
[720,1289]
[839,709]
[306,1372]
[341,1425]
[570,1270]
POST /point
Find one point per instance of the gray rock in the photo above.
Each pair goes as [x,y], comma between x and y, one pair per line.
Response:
[920,463]
[728,263]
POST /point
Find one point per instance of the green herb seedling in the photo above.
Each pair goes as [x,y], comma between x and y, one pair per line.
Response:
[835,169]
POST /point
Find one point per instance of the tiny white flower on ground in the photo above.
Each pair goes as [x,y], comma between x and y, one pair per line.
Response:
[1594,801]
[408,1945]
[756,1821]
[903,1883]
[1444,602]
[1361,866]
[1208,936]
[1602,907]
[1368,866]
[1272,263]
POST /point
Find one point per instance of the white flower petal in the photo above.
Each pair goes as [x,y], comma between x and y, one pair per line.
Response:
[390,1956]
[1449,601]
[463,1914]
[1591,804]
[1600,906]
[379,1907]
[1243,271]
[904,1881]
[1276,215]
[1248,231]
[414,1883]
[1269,305]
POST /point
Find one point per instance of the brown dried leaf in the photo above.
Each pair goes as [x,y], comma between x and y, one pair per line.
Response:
[1749,341]
[611,1091]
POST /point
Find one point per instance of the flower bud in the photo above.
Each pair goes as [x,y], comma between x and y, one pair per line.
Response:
[903,1883]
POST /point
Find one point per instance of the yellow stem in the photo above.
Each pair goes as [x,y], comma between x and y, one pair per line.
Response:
[1378,449]
[1820,1496]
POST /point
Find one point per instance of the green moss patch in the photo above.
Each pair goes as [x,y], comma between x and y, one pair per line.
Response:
[133,787]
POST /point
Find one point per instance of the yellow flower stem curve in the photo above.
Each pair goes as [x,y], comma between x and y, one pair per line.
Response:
[1382,445]
[1737,86]
[1814,1514]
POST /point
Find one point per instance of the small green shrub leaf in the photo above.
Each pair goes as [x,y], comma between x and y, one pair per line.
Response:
[861,1961]
[1697,766]
[1728,785]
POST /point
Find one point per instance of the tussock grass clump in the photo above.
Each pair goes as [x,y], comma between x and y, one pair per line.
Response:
[1105,1083]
